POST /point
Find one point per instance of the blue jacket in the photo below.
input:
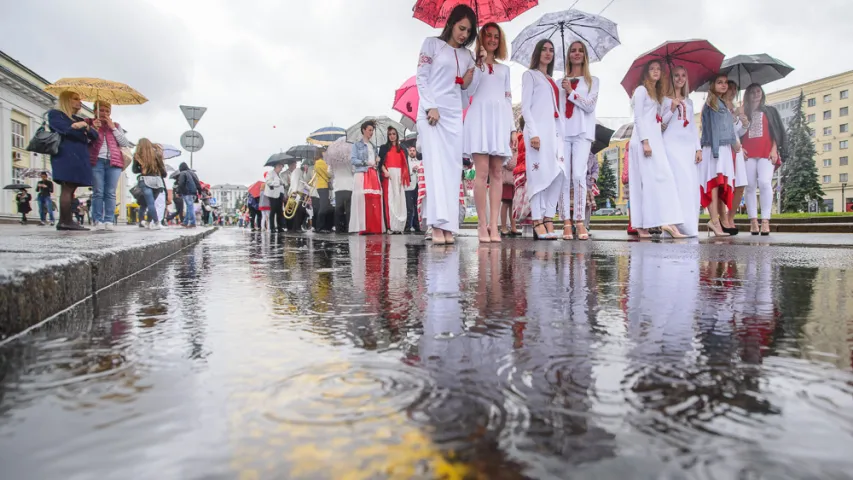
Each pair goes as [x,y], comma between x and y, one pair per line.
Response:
[718,128]
[75,143]
[359,157]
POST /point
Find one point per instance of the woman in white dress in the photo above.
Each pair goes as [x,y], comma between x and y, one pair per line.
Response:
[719,144]
[490,128]
[651,183]
[445,68]
[579,96]
[546,167]
[681,139]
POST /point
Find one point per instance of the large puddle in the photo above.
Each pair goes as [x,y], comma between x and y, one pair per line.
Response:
[367,358]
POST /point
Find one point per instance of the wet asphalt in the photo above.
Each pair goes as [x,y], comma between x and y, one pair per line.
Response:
[385,357]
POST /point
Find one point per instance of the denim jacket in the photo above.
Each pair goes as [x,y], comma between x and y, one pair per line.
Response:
[717,128]
[359,157]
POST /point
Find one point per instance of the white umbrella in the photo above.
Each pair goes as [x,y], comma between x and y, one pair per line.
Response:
[598,34]
[380,135]
[338,152]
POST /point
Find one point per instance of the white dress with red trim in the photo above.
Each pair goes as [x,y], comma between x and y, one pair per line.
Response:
[681,140]
[541,119]
[652,185]
[490,121]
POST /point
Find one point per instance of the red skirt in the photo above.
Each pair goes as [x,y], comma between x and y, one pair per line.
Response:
[508,192]
[372,203]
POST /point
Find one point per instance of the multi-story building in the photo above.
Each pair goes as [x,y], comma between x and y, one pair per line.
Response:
[827,108]
[229,198]
[23,104]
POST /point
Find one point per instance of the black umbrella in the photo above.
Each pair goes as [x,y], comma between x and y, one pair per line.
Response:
[309,152]
[280,158]
[748,69]
[17,186]
[602,138]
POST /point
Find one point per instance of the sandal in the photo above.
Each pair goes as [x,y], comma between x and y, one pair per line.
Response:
[552,235]
[567,230]
[582,235]
[536,235]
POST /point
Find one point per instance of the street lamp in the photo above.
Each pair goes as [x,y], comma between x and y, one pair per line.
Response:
[843,200]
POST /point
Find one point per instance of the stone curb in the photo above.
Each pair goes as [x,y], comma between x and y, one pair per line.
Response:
[28,296]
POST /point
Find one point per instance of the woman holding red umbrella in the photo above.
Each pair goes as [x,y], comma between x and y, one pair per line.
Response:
[445,68]
[652,184]
[683,151]
[490,127]
[580,94]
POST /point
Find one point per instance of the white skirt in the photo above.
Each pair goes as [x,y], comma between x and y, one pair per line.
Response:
[442,150]
[487,129]
[358,210]
[397,213]
[740,171]
[652,187]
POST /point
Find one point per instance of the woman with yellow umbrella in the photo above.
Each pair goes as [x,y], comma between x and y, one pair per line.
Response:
[72,167]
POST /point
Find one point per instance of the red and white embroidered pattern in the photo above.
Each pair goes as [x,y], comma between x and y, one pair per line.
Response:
[535,166]
[756,125]
[424,60]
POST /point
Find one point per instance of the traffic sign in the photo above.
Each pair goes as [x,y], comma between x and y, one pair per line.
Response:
[193,114]
[192,141]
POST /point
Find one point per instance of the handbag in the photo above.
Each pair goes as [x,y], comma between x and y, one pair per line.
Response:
[45,141]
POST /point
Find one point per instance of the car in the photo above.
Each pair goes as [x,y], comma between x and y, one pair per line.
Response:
[605,212]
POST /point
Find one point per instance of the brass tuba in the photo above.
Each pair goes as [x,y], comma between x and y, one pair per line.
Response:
[298,198]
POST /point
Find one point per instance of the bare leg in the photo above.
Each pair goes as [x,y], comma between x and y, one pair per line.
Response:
[512,225]
[495,191]
[735,205]
[714,210]
[481,164]
[438,236]
[504,214]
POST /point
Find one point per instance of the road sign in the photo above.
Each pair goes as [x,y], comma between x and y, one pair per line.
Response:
[192,141]
[193,114]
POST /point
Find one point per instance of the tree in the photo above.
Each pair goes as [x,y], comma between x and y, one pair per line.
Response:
[799,172]
[606,185]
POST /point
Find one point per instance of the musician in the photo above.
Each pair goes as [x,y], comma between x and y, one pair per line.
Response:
[297,179]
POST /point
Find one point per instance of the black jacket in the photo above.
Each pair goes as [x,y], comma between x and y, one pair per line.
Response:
[188,183]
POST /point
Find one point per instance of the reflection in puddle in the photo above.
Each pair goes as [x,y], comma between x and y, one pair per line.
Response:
[372,357]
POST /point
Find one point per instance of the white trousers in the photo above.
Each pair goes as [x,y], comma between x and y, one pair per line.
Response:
[544,204]
[577,149]
[759,173]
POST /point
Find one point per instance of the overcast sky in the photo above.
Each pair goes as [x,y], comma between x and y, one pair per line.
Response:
[301,65]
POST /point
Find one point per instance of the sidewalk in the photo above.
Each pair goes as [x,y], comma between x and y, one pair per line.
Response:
[43,271]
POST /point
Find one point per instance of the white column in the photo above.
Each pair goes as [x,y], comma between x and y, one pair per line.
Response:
[7,198]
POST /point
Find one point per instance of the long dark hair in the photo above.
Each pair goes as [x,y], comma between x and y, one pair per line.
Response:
[747,103]
[537,56]
[389,144]
[459,13]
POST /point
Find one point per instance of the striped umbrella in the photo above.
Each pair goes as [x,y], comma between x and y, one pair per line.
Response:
[325,136]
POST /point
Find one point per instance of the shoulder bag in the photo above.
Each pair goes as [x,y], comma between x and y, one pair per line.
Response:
[45,141]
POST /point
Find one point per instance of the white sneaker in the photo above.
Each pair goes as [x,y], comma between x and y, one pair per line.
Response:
[100,226]
[143,224]
[155,226]
[108,225]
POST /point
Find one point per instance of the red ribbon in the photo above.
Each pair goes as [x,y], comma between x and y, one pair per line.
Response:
[491,69]
[459,80]
[659,118]
[556,95]
[570,107]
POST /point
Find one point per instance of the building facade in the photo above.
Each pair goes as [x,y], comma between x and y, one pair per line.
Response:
[229,198]
[23,105]
[827,108]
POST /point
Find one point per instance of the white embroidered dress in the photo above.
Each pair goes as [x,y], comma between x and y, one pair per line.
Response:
[681,140]
[538,106]
[489,122]
[439,66]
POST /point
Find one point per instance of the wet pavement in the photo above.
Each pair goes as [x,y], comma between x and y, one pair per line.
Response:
[383,357]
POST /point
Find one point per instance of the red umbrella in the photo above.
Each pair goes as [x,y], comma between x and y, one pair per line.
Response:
[406,99]
[435,12]
[701,60]
[255,189]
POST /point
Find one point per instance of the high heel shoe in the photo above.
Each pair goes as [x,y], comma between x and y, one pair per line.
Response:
[567,230]
[552,235]
[536,235]
[753,226]
[731,231]
[672,231]
[765,228]
[582,233]
[716,229]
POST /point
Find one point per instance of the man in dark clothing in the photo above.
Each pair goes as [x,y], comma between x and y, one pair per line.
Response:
[45,190]
[179,205]
[188,188]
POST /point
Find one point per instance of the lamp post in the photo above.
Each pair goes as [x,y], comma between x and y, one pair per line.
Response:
[843,200]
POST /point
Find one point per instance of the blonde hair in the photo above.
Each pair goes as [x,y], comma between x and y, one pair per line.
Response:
[656,90]
[685,90]
[587,75]
[714,98]
[100,103]
[149,157]
[502,52]
[64,103]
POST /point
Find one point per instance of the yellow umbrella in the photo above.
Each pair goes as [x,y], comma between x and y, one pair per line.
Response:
[94,89]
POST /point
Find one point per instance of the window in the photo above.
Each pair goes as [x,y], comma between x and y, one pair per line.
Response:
[827,147]
[842,145]
[811,118]
[842,177]
[844,128]
[844,94]
[827,98]
[19,135]
[842,161]
[827,178]
[843,111]
[827,162]
[827,131]
[827,115]
[812,102]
